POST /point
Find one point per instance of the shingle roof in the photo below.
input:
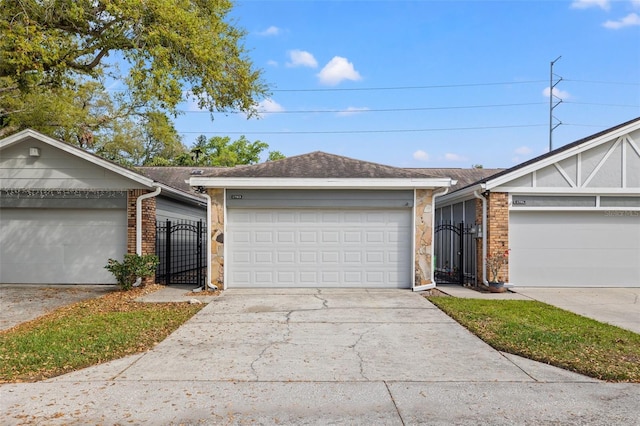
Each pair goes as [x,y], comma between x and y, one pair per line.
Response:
[177,177]
[319,165]
[463,177]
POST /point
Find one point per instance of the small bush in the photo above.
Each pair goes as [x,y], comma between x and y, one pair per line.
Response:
[131,268]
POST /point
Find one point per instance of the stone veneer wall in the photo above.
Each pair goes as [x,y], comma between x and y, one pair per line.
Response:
[148,224]
[217,236]
[423,233]
[498,229]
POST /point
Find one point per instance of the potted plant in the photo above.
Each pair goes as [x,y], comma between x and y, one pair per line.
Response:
[494,264]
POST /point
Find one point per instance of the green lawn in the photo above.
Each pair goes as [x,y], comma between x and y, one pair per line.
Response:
[85,334]
[551,335]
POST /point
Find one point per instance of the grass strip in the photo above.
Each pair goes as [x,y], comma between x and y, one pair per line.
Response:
[87,333]
[551,335]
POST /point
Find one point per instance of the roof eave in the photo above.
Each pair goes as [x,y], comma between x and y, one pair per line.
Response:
[320,183]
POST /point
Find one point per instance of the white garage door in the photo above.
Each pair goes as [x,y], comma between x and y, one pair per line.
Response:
[60,246]
[319,248]
[574,249]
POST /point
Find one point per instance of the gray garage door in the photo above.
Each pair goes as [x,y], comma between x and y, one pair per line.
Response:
[60,246]
[319,247]
[574,249]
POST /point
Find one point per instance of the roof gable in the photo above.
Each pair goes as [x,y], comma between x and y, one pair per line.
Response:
[319,165]
[71,158]
[608,159]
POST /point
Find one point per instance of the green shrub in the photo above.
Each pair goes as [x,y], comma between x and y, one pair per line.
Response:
[131,268]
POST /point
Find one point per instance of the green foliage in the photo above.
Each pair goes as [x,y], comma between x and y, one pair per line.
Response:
[53,68]
[551,335]
[131,268]
[220,151]
[85,334]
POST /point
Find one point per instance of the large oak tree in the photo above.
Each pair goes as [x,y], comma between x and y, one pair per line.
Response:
[57,55]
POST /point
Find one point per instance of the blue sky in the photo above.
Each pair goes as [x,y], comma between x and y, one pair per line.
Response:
[433,83]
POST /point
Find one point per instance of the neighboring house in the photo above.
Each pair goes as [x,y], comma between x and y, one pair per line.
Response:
[64,212]
[321,220]
[569,218]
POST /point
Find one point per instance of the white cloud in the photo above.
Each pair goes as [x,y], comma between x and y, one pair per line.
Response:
[352,111]
[631,20]
[585,4]
[337,70]
[560,94]
[420,155]
[523,150]
[267,106]
[635,3]
[272,63]
[271,31]
[300,58]
[454,157]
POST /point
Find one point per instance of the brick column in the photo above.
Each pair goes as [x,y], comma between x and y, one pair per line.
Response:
[423,233]
[498,229]
[217,236]
[148,224]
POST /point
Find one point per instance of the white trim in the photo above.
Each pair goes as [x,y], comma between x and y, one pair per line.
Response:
[413,240]
[565,175]
[569,191]
[575,209]
[601,162]
[70,149]
[209,283]
[579,170]
[623,166]
[607,137]
[320,183]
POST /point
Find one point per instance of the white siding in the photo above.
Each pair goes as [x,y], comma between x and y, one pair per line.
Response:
[54,169]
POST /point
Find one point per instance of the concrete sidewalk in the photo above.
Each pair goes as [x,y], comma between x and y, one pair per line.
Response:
[319,356]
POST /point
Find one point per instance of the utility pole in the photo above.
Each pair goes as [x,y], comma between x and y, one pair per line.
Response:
[553,103]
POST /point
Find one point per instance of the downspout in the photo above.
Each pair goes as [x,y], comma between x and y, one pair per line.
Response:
[139,201]
[484,235]
[208,198]
[433,233]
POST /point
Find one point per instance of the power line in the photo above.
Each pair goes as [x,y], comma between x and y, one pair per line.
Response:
[437,86]
[324,132]
[352,111]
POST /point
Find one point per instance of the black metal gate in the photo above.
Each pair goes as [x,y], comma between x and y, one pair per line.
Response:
[181,247]
[455,253]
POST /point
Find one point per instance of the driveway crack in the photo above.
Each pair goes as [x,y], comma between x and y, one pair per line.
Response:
[325,302]
[286,336]
[357,352]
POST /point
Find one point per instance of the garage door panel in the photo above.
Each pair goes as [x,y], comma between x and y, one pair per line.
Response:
[574,249]
[330,248]
[60,246]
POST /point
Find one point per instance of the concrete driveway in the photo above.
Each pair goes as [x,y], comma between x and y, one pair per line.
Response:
[321,356]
